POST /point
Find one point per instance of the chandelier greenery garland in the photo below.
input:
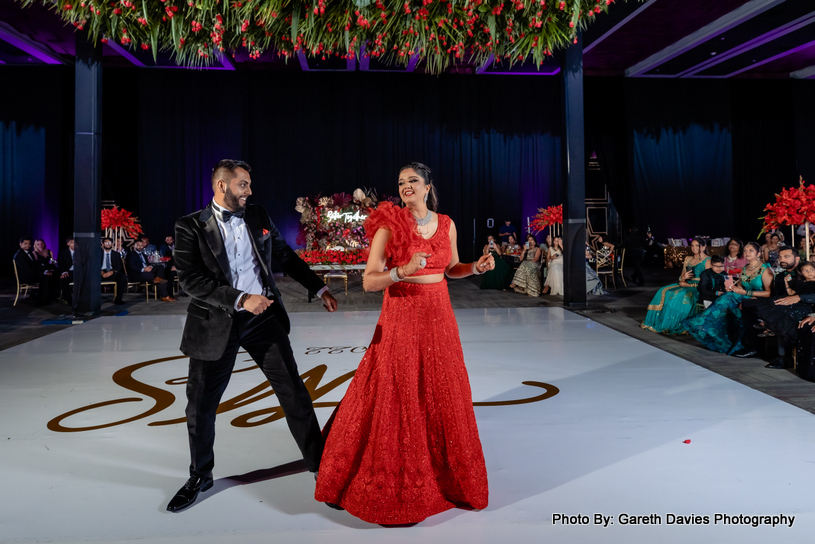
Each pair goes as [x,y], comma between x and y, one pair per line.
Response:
[394,31]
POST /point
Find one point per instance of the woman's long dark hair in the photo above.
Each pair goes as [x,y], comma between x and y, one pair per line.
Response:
[741,247]
[702,244]
[424,173]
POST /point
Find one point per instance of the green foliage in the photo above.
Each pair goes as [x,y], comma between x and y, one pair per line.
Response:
[438,31]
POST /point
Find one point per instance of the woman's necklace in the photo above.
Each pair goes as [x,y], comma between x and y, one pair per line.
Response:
[732,259]
[424,221]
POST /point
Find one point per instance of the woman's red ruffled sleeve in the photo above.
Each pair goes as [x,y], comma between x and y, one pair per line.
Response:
[402,226]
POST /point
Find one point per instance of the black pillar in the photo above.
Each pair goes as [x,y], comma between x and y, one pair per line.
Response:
[87,174]
[574,178]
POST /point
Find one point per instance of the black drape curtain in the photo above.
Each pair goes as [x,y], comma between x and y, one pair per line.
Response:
[36,122]
[686,157]
[681,155]
[607,136]
[493,155]
[763,150]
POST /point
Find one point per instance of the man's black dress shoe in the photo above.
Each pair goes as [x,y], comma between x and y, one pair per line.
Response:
[187,494]
[119,302]
[778,362]
[334,506]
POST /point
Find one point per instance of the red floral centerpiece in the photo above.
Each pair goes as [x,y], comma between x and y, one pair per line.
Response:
[793,206]
[120,224]
[547,217]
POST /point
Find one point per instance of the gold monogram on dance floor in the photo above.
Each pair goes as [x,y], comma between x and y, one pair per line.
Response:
[312,379]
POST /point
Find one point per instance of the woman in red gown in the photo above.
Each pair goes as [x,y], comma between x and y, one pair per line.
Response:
[403,443]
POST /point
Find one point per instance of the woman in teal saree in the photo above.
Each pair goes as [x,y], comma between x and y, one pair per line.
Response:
[720,327]
[676,302]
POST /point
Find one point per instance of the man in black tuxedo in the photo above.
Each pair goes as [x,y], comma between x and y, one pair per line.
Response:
[113,269]
[139,269]
[223,254]
[752,310]
[65,266]
[29,270]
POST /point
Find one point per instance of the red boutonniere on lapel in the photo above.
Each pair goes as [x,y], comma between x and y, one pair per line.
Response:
[265,232]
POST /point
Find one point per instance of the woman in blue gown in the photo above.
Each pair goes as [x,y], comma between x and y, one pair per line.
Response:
[719,327]
[674,303]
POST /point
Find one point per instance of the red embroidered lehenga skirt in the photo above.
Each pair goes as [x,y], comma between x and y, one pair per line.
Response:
[403,444]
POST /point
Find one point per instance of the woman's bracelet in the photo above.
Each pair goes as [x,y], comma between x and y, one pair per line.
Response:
[749,292]
[395,275]
[475,269]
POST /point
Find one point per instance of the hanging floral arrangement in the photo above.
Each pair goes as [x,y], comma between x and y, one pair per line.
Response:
[395,31]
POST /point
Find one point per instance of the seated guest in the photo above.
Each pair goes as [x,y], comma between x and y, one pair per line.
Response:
[594,286]
[805,349]
[44,255]
[527,277]
[600,245]
[771,250]
[166,250]
[512,247]
[500,277]
[676,302]
[654,251]
[734,260]
[149,248]
[635,253]
[554,279]
[784,285]
[113,269]
[719,327]
[784,316]
[30,270]
[711,281]
[65,267]
[138,269]
[506,231]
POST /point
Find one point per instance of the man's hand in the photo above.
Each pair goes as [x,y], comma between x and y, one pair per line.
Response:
[64,275]
[809,320]
[148,269]
[329,302]
[107,274]
[257,304]
[786,301]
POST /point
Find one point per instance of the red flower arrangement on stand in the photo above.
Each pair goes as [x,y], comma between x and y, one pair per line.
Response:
[120,224]
[548,217]
[793,206]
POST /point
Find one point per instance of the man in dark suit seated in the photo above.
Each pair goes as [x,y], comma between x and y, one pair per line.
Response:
[224,258]
[752,309]
[30,271]
[139,269]
[113,269]
[166,252]
[65,266]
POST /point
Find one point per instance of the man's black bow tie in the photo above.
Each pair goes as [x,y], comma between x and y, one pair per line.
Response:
[227,215]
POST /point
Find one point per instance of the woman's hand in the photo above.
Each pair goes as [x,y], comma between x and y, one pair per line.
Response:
[415,263]
[686,275]
[487,262]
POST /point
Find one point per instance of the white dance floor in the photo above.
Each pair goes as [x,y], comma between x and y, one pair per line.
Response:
[611,442]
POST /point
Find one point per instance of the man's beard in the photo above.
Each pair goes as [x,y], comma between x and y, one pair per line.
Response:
[788,266]
[232,201]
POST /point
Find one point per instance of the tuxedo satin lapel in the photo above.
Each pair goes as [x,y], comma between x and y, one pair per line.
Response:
[215,241]
[255,227]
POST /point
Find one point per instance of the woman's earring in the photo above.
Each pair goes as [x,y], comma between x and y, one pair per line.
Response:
[425,197]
